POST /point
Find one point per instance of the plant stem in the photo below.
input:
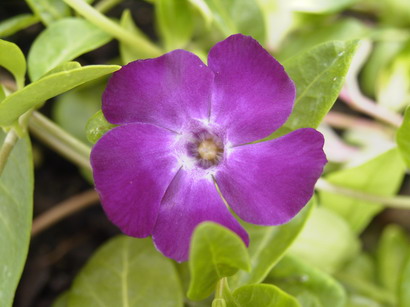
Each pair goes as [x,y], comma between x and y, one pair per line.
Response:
[400,202]
[105,5]
[220,286]
[107,25]
[61,141]
[64,209]
[7,147]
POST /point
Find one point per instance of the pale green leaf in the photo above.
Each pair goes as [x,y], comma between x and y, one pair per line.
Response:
[382,175]
[63,41]
[175,23]
[127,52]
[63,67]
[307,283]
[49,10]
[12,59]
[320,6]
[237,16]
[16,210]
[404,285]
[319,75]
[263,295]
[326,241]
[73,109]
[16,23]
[39,91]
[268,245]
[392,252]
[403,138]
[216,252]
[127,272]
[97,126]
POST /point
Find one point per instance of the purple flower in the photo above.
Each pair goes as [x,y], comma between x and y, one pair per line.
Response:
[185,128]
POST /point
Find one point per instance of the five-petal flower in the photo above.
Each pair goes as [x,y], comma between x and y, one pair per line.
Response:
[186,128]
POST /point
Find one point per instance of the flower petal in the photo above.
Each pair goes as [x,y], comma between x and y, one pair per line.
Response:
[268,183]
[133,166]
[165,91]
[188,202]
[253,96]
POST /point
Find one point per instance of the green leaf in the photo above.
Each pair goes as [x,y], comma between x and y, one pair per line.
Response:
[382,175]
[129,54]
[73,109]
[97,126]
[268,245]
[392,253]
[319,75]
[308,37]
[404,285]
[326,241]
[127,272]
[16,23]
[63,67]
[237,16]
[393,86]
[39,91]
[403,138]
[12,59]
[263,295]
[320,6]
[63,41]
[216,252]
[49,10]
[175,23]
[16,210]
[382,54]
[304,282]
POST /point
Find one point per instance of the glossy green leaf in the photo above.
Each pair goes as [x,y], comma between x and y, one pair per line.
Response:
[237,16]
[326,241]
[39,91]
[49,10]
[319,75]
[97,126]
[12,59]
[127,272]
[320,6]
[263,295]
[175,23]
[16,210]
[382,175]
[2,93]
[268,245]
[73,109]
[216,252]
[392,252]
[307,283]
[129,54]
[16,23]
[63,41]
[403,138]
[404,285]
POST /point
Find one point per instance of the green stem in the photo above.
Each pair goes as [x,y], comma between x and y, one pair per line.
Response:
[61,141]
[220,286]
[7,147]
[400,202]
[107,25]
[105,5]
